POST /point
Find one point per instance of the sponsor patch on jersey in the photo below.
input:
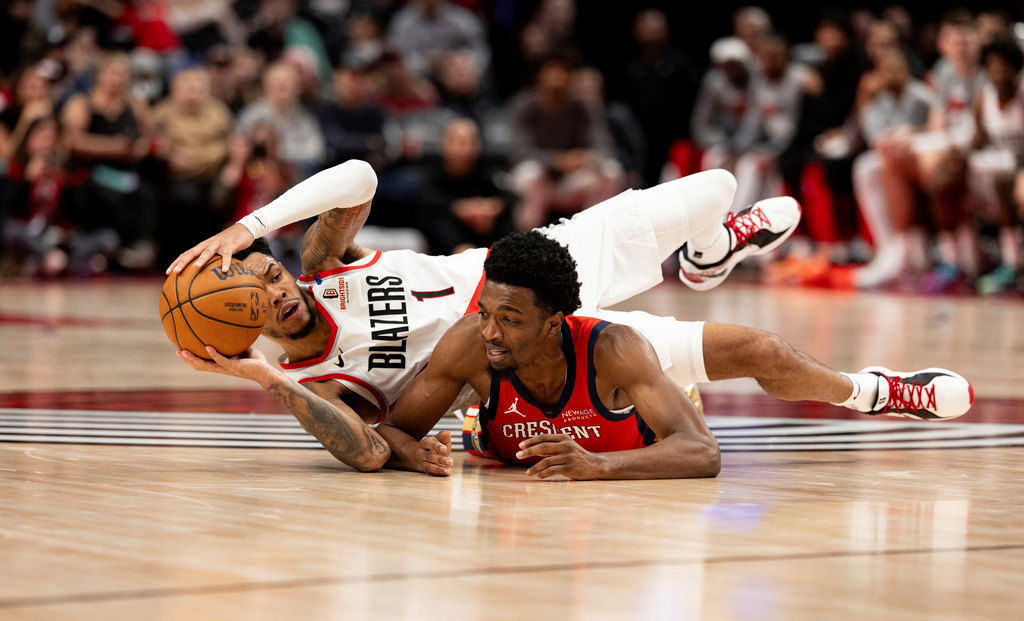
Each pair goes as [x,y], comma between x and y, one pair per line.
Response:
[342,294]
[330,294]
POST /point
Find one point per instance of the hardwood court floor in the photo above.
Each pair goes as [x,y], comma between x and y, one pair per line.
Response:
[185,532]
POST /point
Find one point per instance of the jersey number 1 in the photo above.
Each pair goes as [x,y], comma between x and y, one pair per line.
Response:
[440,293]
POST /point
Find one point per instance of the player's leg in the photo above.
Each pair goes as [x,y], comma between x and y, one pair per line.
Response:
[619,244]
[731,351]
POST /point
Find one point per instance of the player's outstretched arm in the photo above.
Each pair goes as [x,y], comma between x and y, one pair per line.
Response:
[428,397]
[337,427]
[686,449]
[347,186]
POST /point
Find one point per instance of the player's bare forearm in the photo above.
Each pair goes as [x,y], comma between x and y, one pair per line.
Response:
[346,437]
[674,457]
[331,236]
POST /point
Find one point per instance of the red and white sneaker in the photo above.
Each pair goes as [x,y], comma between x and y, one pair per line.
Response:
[928,394]
[758,229]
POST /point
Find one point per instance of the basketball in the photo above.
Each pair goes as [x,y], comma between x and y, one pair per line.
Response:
[206,306]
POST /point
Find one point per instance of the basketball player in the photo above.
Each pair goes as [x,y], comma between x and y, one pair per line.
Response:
[363,323]
[581,397]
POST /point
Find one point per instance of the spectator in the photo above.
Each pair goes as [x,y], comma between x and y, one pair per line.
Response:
[751,24]
[36,232]
[724,117]
[462,95]
[997,166]
[993,25]
[297,133]
[775,90]
[423,31]
[894,106]
[934,165]
[353,126]
[195,128]
[31,101]
[279,32]
[235,75]
[551,32]
[662,85]
[627,137]
[108,135]
[401,91]
[462,206]
[562,151]
[817,166]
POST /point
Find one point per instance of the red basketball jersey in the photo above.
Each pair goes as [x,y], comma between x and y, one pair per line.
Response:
[512,415]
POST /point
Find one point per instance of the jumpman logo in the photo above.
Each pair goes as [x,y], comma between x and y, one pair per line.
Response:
[514,408]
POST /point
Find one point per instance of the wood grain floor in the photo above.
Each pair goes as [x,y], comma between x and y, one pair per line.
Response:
[149,532]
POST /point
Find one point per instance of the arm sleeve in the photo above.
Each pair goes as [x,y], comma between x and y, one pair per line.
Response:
[346,185]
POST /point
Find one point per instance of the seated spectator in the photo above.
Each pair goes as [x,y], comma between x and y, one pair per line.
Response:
[299,137]
[280,32]
[562,151]
[423,31]
[724,121]
[108,135]
[629,140]
[36,233]
[235,74]
[775,89]
[550,32]
[817,166]
[462,206]
[194,128]
[995,170]
[462,94]
[351,123]
[892,107]
[934,165]
[662,85]
[400,91]
[31,101]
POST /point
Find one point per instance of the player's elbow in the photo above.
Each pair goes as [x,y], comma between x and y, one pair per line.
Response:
[709,458]
[362,176]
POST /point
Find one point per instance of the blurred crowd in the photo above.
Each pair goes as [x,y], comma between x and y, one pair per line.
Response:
[131,129]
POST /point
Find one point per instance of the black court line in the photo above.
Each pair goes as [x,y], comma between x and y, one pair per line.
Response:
[242,587]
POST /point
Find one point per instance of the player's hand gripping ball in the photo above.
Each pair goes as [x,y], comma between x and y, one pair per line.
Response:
[207,306]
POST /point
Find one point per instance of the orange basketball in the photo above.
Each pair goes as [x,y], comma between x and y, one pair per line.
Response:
[206,306]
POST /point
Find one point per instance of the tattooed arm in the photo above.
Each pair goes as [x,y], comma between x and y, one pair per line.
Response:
[329,242]
[334,425]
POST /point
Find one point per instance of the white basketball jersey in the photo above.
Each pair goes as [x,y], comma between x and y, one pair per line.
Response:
[1004,127]
[387,312]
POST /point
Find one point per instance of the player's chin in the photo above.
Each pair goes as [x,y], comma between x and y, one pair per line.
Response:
[504,369]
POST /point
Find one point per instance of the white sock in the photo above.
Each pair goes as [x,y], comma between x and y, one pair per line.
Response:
[865,392]
[707,249]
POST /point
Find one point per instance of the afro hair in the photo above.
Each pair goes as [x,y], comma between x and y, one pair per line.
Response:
[540,264]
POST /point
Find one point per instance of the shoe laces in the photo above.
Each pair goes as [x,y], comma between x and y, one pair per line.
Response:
[747,223]
[907,396]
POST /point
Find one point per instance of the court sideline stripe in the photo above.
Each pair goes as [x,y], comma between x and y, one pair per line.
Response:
[241,587]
